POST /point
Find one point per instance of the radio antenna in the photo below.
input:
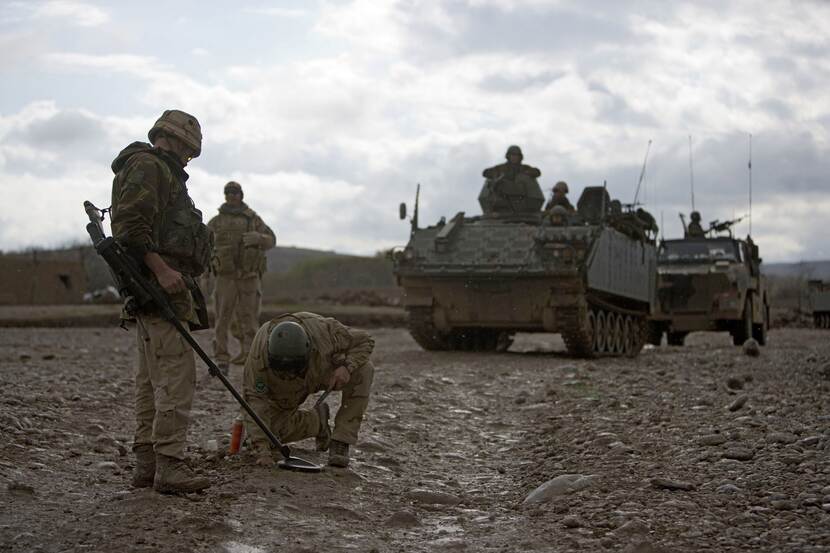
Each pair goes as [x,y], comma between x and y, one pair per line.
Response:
[691,173]
[642,173]
[749,166]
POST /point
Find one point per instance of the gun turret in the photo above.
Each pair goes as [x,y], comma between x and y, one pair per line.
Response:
[723,226]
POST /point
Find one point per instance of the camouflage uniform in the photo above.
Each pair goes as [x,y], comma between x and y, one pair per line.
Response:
[561,201]
[238,269]
[152,212]
[695,230]
[276,399]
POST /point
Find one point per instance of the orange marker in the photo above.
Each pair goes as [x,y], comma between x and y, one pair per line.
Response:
[237,432]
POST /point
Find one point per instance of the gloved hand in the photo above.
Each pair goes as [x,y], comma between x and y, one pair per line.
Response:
[252,238]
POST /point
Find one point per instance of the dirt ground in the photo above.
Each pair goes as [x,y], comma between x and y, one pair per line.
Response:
[699,448]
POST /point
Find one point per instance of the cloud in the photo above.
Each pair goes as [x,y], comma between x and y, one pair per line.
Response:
[326,145]
[289,13]
[78,13]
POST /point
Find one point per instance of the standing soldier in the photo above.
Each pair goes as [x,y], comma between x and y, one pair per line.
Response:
[238,263]
[155,220]
[296,355]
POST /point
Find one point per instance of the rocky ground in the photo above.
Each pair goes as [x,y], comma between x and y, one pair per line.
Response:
[699,448]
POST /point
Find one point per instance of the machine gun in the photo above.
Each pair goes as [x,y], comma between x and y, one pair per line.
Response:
[724,226]
[141,293]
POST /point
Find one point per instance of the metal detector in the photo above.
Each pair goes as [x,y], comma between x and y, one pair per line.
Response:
[139,292]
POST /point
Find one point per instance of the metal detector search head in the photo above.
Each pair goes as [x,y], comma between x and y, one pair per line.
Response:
[298,465]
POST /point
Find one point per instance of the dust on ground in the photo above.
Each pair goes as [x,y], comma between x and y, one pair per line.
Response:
[682,449]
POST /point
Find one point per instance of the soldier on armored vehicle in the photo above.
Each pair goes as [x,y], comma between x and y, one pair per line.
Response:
[512,168]
[695,230]
[560,197]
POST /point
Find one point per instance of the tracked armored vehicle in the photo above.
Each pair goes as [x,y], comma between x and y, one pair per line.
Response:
[471,283]
[819,297]
[711,282]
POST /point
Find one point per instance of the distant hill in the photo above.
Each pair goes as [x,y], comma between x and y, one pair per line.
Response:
[282,258]
[804,269]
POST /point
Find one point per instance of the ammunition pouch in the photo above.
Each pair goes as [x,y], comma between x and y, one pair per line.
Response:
[184,238]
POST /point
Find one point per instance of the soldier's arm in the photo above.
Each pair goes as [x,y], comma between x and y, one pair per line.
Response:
[354,347]
[141,197]
[532,171]
[269,239]
[257,392]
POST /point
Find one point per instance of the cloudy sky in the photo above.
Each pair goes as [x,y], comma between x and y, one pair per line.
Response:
[329,113]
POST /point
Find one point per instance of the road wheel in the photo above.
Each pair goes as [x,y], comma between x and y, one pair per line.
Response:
[601,332]
[744,330]
[616,334]
[676,338]
[424,332]
[759,331]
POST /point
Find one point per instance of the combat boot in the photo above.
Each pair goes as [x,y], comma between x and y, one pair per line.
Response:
[174,476]
[145,466]
[323,438]
[339,454]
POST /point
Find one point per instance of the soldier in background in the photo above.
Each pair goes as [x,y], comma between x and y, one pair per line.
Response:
[560,197]
[296,355]
[238,263]
[155,220]
[695,230]
[512,168]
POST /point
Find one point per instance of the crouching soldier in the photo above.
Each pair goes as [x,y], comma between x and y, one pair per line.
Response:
[296,355]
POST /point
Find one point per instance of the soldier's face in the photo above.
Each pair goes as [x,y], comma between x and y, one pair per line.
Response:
[233,197]
[515,158]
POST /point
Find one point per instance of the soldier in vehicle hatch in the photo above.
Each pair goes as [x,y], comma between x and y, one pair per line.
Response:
[512,168]
[154,220]
[238,263]
[695,230]
[560,197]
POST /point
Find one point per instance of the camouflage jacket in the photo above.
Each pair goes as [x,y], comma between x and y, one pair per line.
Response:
[562,200]
[230,256]
[152,212]
[510,170]
[274,398]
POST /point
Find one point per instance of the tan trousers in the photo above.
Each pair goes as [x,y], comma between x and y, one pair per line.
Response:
[295,425]
[164,384]
[242,296]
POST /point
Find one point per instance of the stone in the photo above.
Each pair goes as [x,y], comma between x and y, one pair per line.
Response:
[739,402]
[783,504]
[826,507]
[403,519]
[751,348]
[561,485]
[108,465]
[739,454]
[572,521]
[782,437]
[735,383]
[711,439]
[728,489]
[668,484]
[810,441]
[20,488]
[632,527]
[433,498]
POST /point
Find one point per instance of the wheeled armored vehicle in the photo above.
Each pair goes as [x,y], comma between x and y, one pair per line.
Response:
[711,283]
[819,297]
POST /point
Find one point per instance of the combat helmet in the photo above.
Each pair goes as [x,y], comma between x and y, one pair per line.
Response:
[233,185]
[182,125]
[561,186]
[288,348]
[513,150]
[695,216]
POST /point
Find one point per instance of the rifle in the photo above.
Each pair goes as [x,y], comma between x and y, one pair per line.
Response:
[140,293]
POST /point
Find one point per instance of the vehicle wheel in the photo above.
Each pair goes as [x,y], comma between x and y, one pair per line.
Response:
[676,338]
[744,330]
[655,333]
[619,345]
[759,331]
[601,332]
[625,338]
[503,341]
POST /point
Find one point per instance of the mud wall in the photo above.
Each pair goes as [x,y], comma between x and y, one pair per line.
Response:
[42,278]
